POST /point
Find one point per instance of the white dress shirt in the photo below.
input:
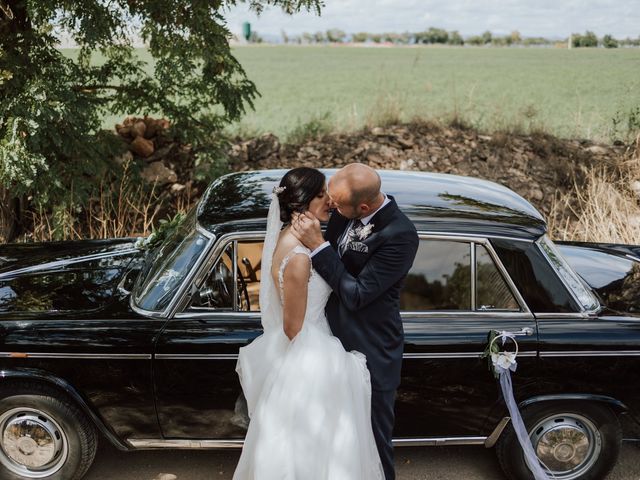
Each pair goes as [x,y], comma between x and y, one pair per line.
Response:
[364,220]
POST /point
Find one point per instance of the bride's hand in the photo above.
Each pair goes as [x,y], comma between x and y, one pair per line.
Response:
[306,228]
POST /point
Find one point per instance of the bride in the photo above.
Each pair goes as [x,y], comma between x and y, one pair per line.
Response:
[309,400]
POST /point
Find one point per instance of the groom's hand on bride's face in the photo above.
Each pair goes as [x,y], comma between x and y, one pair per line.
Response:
[306,227]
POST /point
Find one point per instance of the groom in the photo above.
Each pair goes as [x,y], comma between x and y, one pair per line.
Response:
[370,246]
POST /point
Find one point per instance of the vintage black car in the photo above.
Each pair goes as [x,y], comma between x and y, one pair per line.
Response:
[100,339]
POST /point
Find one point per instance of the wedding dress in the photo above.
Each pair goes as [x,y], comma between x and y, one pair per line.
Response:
[308,399]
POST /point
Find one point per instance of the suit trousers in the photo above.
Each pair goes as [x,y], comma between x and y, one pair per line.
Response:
[382,420]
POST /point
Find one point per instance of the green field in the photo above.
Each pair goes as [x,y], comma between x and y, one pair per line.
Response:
[571,93]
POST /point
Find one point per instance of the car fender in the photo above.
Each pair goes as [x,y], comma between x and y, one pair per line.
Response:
[616,405]
[43,377]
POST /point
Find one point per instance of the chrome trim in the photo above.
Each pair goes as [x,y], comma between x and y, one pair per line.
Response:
[180,444]
[405,356]
[563,315]
[592,353]
[196,356]
[476,235]
[63,263]
[214,444]
[455,355]
[632,257]
[91,356]
[474,273]
[211,314]
[574,295]
[234,265]
[492,439]
[437,441]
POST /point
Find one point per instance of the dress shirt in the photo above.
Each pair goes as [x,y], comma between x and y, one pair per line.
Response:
[364,220]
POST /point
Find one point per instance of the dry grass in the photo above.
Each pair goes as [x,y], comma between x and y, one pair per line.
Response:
[605,208]
[122,209]
[386,110]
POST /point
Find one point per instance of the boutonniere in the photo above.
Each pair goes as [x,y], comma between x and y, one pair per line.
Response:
[364,231]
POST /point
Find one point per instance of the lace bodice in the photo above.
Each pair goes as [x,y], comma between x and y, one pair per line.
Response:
[317,293]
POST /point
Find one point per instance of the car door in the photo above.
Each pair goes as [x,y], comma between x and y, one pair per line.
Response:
[197,389]
[456,293]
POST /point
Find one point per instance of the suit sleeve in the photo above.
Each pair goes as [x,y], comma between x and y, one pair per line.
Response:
[388,264]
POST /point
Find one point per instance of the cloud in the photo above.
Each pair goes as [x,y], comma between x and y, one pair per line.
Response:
[549,18]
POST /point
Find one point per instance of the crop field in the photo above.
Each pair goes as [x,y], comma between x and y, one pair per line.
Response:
[571,93]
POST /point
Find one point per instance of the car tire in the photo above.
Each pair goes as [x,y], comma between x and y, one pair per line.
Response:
[573,440]
[43,435]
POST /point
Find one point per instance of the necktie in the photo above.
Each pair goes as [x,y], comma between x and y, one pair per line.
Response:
[350,235]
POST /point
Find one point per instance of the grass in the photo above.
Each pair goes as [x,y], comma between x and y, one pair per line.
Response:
[604,208]
[569,93]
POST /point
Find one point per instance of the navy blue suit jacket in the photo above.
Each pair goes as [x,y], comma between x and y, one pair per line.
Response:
[364,308]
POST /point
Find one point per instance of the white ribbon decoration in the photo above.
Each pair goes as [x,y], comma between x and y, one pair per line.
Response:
[504,363]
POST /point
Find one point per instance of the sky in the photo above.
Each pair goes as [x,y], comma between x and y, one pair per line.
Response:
[532,18]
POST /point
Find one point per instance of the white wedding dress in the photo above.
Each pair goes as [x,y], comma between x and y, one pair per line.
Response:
[309,400]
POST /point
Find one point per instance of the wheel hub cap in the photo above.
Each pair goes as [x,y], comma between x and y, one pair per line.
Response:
[33,445]
[566,444]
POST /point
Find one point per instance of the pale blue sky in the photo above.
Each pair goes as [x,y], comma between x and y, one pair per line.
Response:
[548,18]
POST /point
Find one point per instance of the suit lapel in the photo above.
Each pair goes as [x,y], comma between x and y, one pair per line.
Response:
[355,260]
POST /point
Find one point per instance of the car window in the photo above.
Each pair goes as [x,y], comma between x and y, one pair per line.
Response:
[492,291]
[570,278]
[170,263]
[67,290]
[219,292]
[440,278]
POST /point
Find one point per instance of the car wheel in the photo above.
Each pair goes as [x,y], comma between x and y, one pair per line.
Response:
[43,435]
[574,441]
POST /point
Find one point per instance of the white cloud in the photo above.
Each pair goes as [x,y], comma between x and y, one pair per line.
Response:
[549,18]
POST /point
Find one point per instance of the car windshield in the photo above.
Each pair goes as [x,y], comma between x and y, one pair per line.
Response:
[586,298]
[168,264]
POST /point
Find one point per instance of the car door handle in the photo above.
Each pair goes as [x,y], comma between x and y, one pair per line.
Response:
[525,332]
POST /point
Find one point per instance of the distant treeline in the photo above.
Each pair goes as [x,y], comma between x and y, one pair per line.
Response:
[440,36]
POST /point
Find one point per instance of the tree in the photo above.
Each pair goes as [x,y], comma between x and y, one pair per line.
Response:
[516,38]
[51,104]
[455,38]
[335,35]
[360,37]
[487,37]
[609,42]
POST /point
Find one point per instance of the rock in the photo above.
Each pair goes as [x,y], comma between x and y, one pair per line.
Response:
[378,131]
[405,142]
[597,150]
[635,187]
[536,194]
[177,187]
[163,152]
[156,172]
[141,146]
[262,147]
[138,129]
[408,164]
[124,158]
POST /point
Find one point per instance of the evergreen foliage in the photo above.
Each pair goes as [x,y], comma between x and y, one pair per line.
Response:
[51,105]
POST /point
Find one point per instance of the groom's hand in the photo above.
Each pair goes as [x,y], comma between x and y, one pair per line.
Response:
[306,227]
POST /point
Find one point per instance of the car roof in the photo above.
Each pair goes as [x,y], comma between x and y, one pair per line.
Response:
[435,202]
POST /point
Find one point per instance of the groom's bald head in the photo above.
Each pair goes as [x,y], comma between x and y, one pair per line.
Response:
[355,189]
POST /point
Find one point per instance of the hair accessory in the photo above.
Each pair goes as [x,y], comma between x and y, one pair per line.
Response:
[279,190]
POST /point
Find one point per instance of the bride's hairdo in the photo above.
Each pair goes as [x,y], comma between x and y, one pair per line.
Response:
[296,190]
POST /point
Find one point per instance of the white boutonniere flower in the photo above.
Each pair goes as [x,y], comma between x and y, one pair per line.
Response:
[365,231]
